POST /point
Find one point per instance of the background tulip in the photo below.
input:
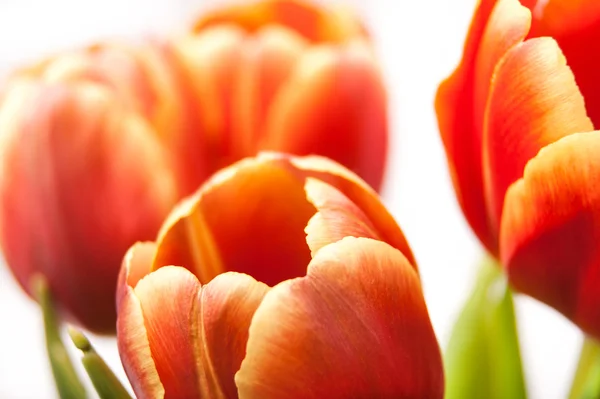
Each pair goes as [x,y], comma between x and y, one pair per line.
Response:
[99,143]
[287,76]
[254,311]
[516,93]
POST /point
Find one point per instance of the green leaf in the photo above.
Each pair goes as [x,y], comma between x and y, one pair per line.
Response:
[586,383]
[104,380]
[483,358]
[66,379]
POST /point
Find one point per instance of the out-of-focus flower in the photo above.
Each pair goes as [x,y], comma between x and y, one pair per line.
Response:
[255,312]
[287,76]
[517,120]
[83,174]
[98,144]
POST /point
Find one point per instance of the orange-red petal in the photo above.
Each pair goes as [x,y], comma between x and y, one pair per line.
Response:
[549,231]
[337,217]
[355,326]
[534,101]
[311,21]
[334,105]
[74,195]
[455,109]
[178,337]
[248,218]
[268,59]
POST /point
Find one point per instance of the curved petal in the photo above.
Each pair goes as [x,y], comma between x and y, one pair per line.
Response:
[86,199]
[575,25]
[455,110]
[356,190]
[132,336]
[211,61]
[228,305]
[534,101]
[356,326]
[193,338]
[311,21]
[249,218]
[337,217]
[549,229]
[268,59]
[334,105]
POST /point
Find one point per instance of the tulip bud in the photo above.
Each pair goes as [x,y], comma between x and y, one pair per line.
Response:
[82,177]
[343,316]
[516,119]
[287,76]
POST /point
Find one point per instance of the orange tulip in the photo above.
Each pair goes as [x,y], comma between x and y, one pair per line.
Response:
[517,120]
[98,144]
[294,281]
[82,176]
[287,76]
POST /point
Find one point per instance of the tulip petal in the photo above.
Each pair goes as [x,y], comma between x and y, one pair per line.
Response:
[82,191]
[132,336]
[268,59]
[334,105]
[169,301]
[314,23]
[206,327]
[337,217]
[355,326]
[534,101]
[574,24]
[229,302]
[211,60]
[357,191]
[549,229]
[455,109]
[250,217]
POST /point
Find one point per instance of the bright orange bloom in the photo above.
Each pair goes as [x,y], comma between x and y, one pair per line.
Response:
[296,282]
[98,144]
[287,76]
[517,120]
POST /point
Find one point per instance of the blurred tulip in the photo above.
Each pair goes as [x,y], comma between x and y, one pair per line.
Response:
[98,144]
[287,76]
[250,314]
[528,190]
[82,176]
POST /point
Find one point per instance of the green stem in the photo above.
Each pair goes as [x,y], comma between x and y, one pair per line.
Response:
[106,383]
[66,379]
[483,359]
[586,383]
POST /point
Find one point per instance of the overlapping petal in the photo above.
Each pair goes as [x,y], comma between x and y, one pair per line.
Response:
[180,338]
[69,159]
[534,101]
[549,229]
[355,326]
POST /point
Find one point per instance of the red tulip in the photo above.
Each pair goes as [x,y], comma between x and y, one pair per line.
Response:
[254,312]
[286,76]
[82,176]
[98,144]
[517,120]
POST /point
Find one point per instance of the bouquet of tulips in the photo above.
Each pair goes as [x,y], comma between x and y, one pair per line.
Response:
[212,198]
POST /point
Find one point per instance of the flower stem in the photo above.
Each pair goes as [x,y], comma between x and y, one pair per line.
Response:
[483,359]
[586,383]
[104,380]
[66,379]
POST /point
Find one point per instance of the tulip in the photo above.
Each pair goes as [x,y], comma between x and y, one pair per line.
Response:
[292,281]
[517,119]
[82,176]
[99,143]
[286,76]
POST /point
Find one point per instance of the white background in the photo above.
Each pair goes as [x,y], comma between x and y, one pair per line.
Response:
[419,43]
